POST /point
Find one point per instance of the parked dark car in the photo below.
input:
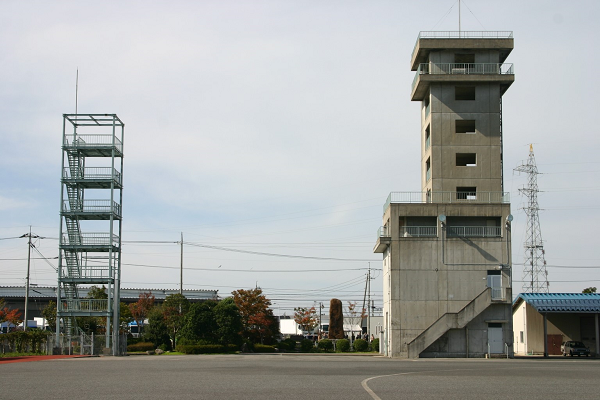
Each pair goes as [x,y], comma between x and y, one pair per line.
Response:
[574,348]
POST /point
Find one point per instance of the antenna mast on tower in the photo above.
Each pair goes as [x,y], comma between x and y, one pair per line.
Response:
[535,275]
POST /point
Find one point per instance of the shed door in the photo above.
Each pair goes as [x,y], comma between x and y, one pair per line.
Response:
[554,342]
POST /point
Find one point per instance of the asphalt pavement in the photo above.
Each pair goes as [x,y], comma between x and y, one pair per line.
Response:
[301,376]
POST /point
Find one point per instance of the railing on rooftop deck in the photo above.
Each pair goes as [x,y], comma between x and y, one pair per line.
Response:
[463,69]
[91,141]
[465,35]
[447,197]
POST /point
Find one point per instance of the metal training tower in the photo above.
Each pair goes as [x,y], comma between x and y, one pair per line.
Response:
[90,227]
[535,274]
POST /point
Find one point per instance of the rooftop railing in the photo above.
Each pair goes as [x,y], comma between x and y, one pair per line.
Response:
[447,198]
[91,141]
[463,69]
[465,35]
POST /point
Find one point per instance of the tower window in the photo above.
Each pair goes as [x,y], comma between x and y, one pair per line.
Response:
[465,126]
[427,138]
[464,58]
[464,93]
[466,159]
[428,169]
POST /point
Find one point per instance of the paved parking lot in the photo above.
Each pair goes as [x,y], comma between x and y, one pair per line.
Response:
[306,377]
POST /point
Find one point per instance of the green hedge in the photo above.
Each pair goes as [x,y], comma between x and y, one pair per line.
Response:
[263,348]
[206,348]
[360,345]
[306,345]
[325,345]
[375,345]
[141,346]
[342,345]
[30,341]
[287,344]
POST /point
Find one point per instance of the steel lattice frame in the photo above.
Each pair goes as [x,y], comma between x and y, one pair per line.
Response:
[535,274]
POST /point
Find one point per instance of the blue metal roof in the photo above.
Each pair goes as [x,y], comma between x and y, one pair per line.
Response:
[562,302]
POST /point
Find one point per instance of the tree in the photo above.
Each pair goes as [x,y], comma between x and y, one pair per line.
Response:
[200,323]
[229,322]
[306,317]
[174,309]
[259,324]
[157,331]
[49,312]
[97,293]
[125,317]
[354,318]
[7,315]
[589,290]
[139,310]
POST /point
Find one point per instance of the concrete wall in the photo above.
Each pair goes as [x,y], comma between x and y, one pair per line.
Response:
[425,278]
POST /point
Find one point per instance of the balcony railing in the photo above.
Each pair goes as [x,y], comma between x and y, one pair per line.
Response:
[463,69]
[447,197]
[92,173]
[473,231]
[91,141]
[465,35]
[91,207]
[91,305]
[91,239]
[383,231]
[418,231]
[88,272]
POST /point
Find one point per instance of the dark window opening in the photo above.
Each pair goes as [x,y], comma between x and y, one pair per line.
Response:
[427,138]
[466,193]
[464,58]
[465,126]
[466,159]
[464,93]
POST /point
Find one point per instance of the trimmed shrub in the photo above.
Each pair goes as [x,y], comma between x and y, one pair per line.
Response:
[141,346]
[206,348]
[375,345]
[287,344]
[360,345]
[263,348]
[325,345]
[306,345]
[342,345]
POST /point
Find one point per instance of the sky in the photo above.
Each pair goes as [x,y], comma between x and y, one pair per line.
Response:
[278,128]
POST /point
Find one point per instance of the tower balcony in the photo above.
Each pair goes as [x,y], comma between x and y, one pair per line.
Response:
[93,177]
[90,241]
[447,198]
[91,209]
[102,145]
[428,73]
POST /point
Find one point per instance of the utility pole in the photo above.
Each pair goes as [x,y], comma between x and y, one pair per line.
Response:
[181,268]
[27,235]
[369,306]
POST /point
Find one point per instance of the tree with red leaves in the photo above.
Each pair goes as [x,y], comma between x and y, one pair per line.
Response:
[306,318]
[260,326]
[139,309]
[11,316]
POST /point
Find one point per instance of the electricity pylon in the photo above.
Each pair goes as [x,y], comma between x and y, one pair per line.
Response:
[535,274]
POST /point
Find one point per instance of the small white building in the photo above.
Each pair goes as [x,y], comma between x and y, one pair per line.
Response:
[543,321]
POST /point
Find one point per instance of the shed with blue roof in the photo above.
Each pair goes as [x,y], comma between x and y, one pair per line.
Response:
[543,321]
